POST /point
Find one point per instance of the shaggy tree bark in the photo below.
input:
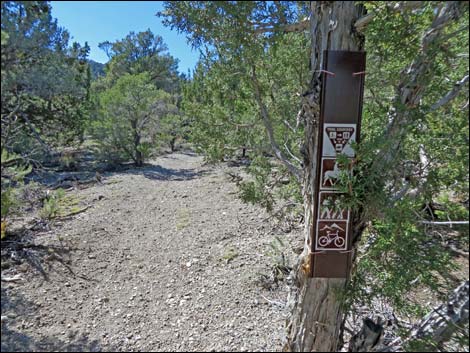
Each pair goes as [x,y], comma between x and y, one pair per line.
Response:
[317,317]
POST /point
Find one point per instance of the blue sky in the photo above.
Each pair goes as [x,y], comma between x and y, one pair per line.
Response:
[97,21]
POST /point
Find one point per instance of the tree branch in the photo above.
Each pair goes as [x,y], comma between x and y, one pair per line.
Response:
[36,135]
[445,223]
[434,329]
[439,325]
[451,94]
[292,155]
[362,23]
[273,27]
[269,129]
[412,87]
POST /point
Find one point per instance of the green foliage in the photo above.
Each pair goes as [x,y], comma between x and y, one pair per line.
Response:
[183,218]
[51,206]
[422,345]
[96,68]
[224,113]
[13,171]
[138,53]
[400,256]
[44,82]
[230,254]
[225,117]
[256,191]
[430,169]
[7,202]
[67,161]
[144,148]
[136,102]
[127,118]
[174,127]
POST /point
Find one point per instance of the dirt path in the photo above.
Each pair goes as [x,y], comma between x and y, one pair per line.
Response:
[167,258]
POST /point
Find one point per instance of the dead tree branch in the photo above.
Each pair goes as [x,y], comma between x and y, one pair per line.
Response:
[439,325]
[269,129]
[451,94]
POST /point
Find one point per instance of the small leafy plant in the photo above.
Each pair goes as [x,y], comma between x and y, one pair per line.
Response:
[51,206]
[13,171]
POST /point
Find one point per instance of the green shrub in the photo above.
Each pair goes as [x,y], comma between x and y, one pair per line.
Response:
[51,206]
[127,117]
[13,171]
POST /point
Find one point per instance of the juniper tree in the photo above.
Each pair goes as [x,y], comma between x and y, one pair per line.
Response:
[126,116]
[45,82]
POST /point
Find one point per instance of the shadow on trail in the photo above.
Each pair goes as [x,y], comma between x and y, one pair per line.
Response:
[170,155]
[15,340]
[157,172]
[86,164]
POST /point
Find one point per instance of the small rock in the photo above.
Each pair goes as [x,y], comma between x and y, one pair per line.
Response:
[23,267]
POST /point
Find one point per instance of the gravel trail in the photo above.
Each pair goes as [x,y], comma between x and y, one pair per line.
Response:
[167,258]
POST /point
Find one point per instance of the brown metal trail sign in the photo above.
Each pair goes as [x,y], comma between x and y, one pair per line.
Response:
[340,124]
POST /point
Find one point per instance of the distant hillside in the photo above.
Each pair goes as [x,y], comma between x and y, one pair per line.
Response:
[97,69]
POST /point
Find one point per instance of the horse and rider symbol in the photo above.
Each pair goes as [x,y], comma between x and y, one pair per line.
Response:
[331,172]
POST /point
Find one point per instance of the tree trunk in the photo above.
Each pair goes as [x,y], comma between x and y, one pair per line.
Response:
[316,322]
[139,160]
[172,144]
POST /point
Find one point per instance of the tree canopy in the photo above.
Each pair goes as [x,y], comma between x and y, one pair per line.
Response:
[45,82]
[142,52]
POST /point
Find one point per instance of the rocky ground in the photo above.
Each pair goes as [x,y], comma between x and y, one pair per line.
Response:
[166,258]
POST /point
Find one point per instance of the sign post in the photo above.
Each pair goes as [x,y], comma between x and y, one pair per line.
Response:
[340,124]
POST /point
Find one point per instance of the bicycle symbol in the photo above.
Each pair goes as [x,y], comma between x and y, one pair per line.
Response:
[326,240]
[332,236]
